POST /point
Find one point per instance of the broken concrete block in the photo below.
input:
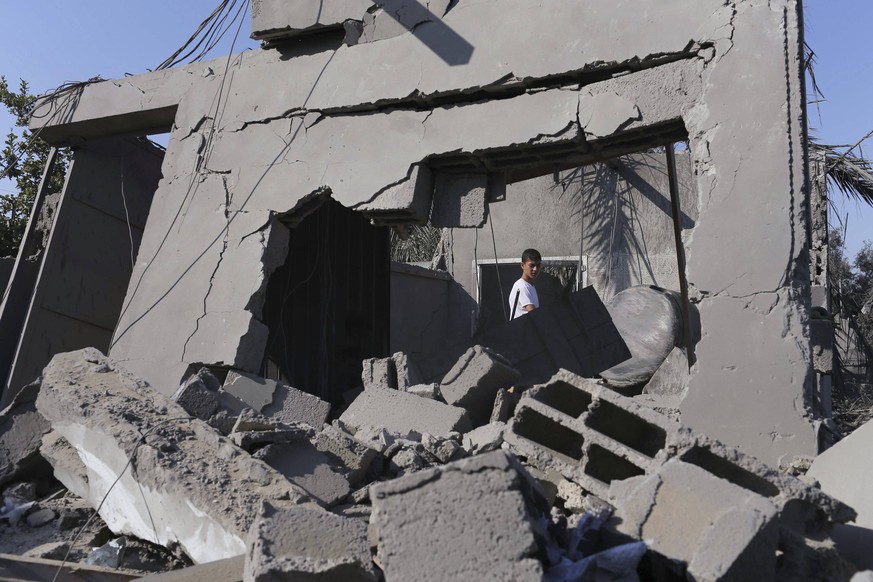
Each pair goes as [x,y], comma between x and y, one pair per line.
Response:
[484,439]
[672,376]
[407,371]
[41,517]
[21,431]
[459,200]
[650,322]
[111,417]
[196,398]
[277,400]
[430,391]
[474,519]
[593,436]
[68,466]
[305,544]
[444,450]
[474,381]
[354,455]
[846,472]
[249,420]
[308,468]
[249,440]
[400,412]
[379,373]
[502,406]
[722,531]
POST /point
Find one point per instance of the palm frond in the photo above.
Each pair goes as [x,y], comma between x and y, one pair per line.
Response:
[851,173]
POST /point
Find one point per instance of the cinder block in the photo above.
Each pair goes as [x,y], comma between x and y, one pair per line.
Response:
[474,519]
[594,436]
[303,543]
[474,381]
[402,413]
[720,530]
[276,400]
[379,373]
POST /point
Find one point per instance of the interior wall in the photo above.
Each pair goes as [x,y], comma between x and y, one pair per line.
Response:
[617,213]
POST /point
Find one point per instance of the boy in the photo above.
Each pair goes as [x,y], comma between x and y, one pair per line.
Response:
[523,297]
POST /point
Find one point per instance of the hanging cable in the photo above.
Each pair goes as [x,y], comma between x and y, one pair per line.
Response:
[503,299]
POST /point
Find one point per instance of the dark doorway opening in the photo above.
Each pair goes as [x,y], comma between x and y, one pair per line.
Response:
[328,305]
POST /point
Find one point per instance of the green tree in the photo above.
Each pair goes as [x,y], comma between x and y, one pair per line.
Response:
[22,161]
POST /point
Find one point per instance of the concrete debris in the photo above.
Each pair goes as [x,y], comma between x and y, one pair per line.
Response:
[475,380]
[355,456]
[403,413]
[727,533]
[672,376]
[484,439]
[114,421]
[430,391]
[308,468]
[303,544]
[407,372]
[845,471]
[471,520]
[21,430]
[502,406]
[276,400]
[379,373]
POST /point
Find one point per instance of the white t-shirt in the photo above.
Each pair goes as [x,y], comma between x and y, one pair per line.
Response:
[527,295]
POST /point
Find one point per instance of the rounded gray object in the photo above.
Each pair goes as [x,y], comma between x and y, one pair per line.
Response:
[649,321]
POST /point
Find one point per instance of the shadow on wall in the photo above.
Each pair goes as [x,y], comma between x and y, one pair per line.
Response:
[620,206]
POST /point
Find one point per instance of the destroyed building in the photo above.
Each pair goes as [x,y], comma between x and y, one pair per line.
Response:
[250,264]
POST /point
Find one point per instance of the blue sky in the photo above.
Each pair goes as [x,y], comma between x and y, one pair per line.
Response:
[50,42]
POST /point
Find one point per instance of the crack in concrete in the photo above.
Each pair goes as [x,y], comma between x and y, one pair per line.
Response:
[224,243]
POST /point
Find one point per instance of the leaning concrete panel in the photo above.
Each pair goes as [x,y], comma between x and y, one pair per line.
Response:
[90,253]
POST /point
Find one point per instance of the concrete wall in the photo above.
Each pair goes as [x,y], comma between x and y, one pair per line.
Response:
[90,253]
[556,84]
[617,214]
[429,310]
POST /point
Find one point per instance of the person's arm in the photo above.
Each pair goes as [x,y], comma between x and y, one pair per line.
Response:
[529,307]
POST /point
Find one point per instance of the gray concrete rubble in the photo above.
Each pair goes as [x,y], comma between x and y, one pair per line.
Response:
[727,532]
[276,400]
[354,455]
[304,544]
[474,381]
[845,471]
[428,524]
[403,413]
[21,431]
[604,442]
[671,377]
[168,464]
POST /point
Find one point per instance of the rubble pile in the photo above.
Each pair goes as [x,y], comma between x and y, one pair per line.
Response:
[469,479]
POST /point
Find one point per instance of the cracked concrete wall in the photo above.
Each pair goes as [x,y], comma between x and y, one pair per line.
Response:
[589,83]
